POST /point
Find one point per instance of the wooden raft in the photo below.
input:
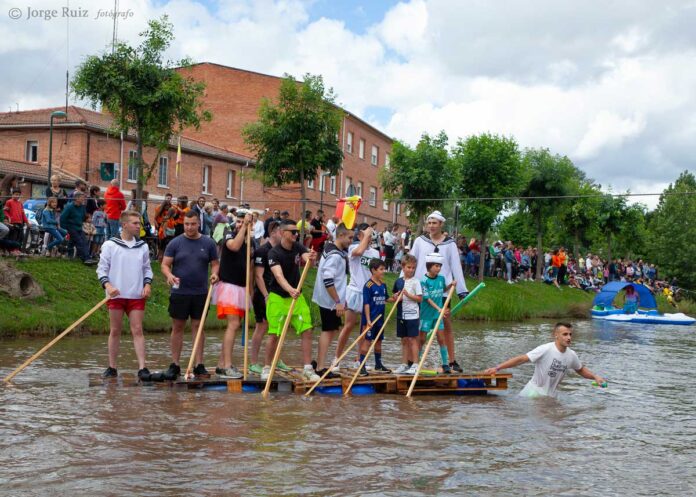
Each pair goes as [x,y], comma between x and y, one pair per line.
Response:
[292,381]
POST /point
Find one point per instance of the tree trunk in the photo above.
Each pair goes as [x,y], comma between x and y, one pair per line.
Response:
[540,252]
[609,247]
[482,257]
[576,244]
[304,207]
[139,170]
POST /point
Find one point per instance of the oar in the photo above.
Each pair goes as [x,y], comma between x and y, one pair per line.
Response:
[372,347]
[246,302]
[286,325]
[50,344]
[430,341]
[200,332]
[461,303]
[328,370]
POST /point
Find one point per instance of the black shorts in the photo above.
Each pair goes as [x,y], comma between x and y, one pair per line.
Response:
[259,304]
[407,328]
[388,252]
[186,306]
[329,319]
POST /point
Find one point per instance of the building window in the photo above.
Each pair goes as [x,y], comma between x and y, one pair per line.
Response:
[32,152]
[359,188]
[373,196]
[206,179]
[361,151]
[386,160]
[349,143]
[132,166]
[398,208]
[229,191]
[332,185]
[375,155]
[349,181]
[385,205]
[163,175]
[310,183]
[322,179]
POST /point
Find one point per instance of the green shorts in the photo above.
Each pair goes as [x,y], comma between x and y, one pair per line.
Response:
[427,325]
[277,309]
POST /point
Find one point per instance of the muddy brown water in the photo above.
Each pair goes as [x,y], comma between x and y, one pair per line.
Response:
[58,436]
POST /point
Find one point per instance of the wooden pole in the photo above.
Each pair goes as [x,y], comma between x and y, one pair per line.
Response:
[200,332]
[372,347]
[345,353]
[286,325]
[430,341]
[246,301]
[50,344]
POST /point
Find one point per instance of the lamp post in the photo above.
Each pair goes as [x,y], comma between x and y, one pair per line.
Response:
[57,113]
[323,187]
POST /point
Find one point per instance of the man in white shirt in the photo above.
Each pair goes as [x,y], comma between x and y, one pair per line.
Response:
[331,228]
[551,361]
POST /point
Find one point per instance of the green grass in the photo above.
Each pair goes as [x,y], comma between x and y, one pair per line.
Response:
[72,289]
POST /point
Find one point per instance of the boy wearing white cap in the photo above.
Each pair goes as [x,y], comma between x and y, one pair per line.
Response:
[434,287]
[435,241]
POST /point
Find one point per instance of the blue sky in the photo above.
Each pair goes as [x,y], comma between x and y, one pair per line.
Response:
[357,15]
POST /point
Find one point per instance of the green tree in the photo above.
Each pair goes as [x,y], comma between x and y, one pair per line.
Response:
[611,217]
[518,228]
[487,166]
[549,177]
[297,135]
[422,176]
[673,231]
[143,93]
[580,214]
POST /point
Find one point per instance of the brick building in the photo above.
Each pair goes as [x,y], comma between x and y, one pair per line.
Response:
[234,96]
[83,146]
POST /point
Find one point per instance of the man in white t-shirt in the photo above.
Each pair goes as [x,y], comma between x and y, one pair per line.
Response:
[551,361]
[331,228]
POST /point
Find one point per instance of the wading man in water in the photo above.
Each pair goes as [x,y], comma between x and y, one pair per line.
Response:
[185,266]
[551,361]
[124,272]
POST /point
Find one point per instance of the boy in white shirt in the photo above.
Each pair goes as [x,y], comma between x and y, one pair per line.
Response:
[408,315]
[551,361]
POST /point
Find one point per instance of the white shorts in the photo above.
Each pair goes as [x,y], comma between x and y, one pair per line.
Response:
[354,300]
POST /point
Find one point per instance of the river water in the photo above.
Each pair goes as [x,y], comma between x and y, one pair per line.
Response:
[58,436]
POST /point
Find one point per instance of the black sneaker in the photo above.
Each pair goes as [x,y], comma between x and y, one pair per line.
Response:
[382,369]
[173,372]
[329,376]
[363,372]
[456,367]
[446,369]
[110,373]
[144,374]
[219,371]
[200,371]
[314,366]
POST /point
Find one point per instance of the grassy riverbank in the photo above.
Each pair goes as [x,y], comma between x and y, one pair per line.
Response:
[72,289]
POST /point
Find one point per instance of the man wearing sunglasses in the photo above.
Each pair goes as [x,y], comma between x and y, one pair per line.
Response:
[284,260]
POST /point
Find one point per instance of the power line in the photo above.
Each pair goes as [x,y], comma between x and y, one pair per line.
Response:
[539,197]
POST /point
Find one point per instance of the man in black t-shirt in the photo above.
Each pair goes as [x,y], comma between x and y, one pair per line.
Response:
[230,297]
[318,232]
[284,260]
[275,217]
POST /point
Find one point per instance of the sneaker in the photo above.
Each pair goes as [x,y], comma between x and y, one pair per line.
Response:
[308,374]
[401,369]
[200,371]
[173,372]
[90,262]
[282,366]
[356,364]
[363,372]
[412,370]
[219,371]
[446,369]
[231,373]
[456,367]
[110,373]
[144,374]
[382,369]
[330,375]
[510,282]
[314,364]
[256,368]
[265,372]
[335,367]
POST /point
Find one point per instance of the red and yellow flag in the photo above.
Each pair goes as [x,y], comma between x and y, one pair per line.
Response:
[178,156]
[347,210]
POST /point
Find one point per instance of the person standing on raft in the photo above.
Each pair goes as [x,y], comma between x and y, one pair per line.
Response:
[125,274]
[435,241]
[551,361]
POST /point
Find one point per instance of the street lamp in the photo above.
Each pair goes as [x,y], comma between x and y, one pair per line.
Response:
[56,113]
[323,187]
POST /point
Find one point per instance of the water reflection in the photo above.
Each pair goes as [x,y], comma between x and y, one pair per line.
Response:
[635,438]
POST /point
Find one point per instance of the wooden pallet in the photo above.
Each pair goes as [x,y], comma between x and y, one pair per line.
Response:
[450,383]
[236,386]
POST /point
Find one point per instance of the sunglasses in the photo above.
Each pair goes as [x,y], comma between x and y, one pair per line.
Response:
[294,232]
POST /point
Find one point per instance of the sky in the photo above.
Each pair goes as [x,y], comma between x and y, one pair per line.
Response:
[609,84]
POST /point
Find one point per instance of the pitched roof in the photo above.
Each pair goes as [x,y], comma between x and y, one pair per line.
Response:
[36,171]
[99,121]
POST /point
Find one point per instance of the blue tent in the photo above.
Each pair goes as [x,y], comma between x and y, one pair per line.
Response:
[609,291]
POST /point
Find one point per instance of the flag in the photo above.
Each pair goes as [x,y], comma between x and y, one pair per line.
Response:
[347,210]
[178,157]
